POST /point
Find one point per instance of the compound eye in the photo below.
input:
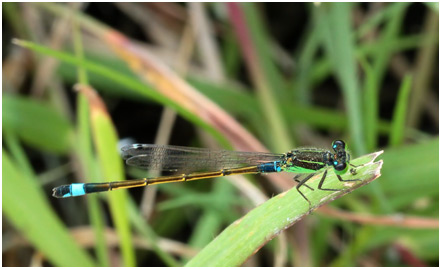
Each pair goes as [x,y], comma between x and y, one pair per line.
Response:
[340,166]
[338,145]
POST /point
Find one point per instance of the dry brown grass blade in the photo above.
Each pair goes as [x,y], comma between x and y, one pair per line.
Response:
[395,220]
[168,83]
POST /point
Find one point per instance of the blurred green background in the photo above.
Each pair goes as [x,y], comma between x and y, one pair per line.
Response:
[291,74]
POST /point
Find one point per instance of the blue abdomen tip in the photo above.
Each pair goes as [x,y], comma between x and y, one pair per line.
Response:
[77,189]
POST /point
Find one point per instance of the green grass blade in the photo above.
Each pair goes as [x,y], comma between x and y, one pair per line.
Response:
[17,152]
[248,234]
[85,153]
[12,14]
[83,148]
[401,108]
[23,116]
[111,165]
[382,56]
[270,89]
[131,85]
[335,27]
[388,12]
[261,42]
[26,206]
[412,170]
[237,101]
[321,68]
[306,59]
[144,230]
[370,103]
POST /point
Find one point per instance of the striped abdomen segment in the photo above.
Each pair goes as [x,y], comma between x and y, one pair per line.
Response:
[78,189]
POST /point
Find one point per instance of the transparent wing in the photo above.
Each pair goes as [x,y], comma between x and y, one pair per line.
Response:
[188,159]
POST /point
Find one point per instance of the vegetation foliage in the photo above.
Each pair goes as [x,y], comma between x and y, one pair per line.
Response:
[243,76]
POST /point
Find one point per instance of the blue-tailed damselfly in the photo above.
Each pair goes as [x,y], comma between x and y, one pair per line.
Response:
[189,164]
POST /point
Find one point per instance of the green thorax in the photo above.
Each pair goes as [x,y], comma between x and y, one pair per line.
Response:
[304,161]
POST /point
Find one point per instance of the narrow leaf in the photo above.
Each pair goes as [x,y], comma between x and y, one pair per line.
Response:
[247,235]
[26,207]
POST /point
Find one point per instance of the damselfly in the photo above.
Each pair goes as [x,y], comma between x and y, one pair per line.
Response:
[189,164]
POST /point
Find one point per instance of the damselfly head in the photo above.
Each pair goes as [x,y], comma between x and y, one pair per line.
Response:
[340,158]
[339,146]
